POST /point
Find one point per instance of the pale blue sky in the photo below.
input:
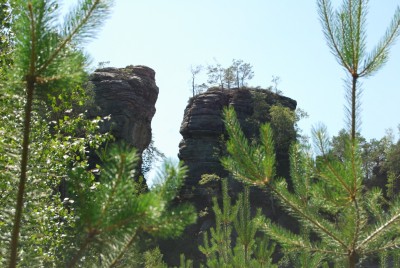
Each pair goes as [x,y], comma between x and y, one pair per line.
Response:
[281,38]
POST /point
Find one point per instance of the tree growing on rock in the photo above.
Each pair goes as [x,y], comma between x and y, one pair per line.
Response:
[245,74]
[216,75]
[196,88]
[238,74]
[229,77]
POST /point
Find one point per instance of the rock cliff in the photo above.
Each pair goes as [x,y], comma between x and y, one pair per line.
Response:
[203,131]
[203,145]
[129,95]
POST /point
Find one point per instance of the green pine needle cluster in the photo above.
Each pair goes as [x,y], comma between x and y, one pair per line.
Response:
[116,211]
[252,157]
[231,221]
[345,221]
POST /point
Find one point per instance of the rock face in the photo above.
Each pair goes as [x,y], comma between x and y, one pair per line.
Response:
[203,130]
[129,95]
[203,145]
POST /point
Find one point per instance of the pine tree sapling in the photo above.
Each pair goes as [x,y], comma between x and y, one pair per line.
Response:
[236,221]
[348,223]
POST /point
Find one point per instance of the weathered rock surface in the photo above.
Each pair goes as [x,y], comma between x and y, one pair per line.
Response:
[202,147]
[129,95]
[203,129]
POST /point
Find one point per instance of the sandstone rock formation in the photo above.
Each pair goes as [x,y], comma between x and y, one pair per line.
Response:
[203,130]
[202,147]
[129,95]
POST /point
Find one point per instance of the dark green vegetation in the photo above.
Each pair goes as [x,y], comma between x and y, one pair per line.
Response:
[249,251]
[59,209]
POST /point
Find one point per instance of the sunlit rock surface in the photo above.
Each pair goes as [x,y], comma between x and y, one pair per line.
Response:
[129,95]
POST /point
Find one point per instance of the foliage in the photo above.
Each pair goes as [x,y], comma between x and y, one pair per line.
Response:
[196,88]
[283,122]
[392,156]
[350,223]
[55,150]
[244,71]
[153,259]
[57,208]
[6,37]
[185,263]
[249,251]
[150,155]
[59,223]
[237,74]
[216,75]
[116,211]
[345,32]
[276,80]
[42,55]
[308,260]
[103,64]
[380,160]
[230,76]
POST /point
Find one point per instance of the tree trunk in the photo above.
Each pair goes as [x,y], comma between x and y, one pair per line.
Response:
[352,259]
[353,107]
[23,177]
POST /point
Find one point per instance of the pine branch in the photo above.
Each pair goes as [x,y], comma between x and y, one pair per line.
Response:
[392,245]
[326,14]
[380,230]
[360,40]
[284,237]
[298,173]
[379,56]
[269,159]
[302,213]
[345,23]
[121,171]
[90,11]
[76,258]
[328,170]
[126,247]
[237,151]
[243,155]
